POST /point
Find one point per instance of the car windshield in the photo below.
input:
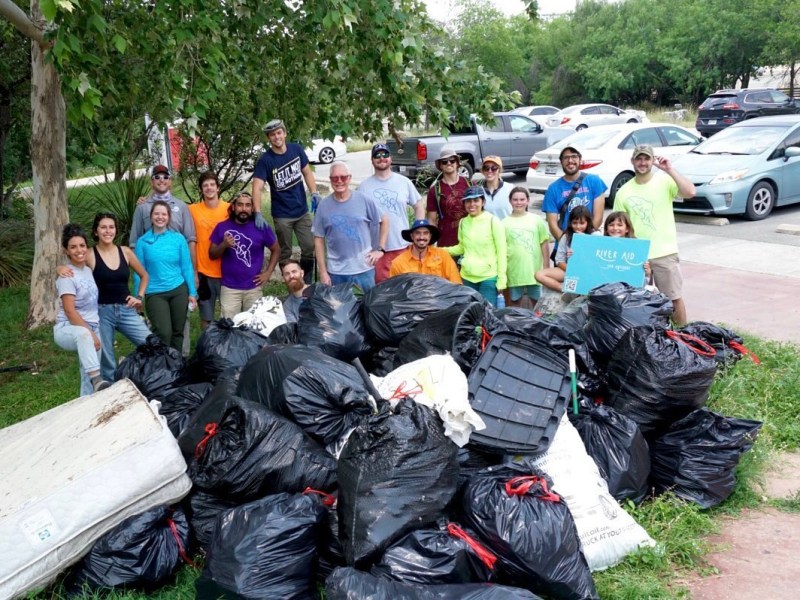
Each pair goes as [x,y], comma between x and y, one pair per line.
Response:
[590,139]
[741,140]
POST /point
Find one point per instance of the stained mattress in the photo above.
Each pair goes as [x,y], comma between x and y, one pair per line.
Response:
[69,475]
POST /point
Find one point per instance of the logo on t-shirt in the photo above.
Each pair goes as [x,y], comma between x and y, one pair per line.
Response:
[287,175]
[346,226]
[388,200]
[243,246]
[643,210]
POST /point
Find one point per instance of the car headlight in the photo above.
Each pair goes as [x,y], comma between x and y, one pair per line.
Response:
[728,176]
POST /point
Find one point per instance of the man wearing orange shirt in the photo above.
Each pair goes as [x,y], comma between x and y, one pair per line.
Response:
[206,214]
[422,257]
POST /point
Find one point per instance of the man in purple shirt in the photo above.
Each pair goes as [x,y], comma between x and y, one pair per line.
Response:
[240,244]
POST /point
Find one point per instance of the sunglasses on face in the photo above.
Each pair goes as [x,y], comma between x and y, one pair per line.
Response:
[339,178]
[161,177]
[448,161]
[381,155]
[571,156]
[491,169]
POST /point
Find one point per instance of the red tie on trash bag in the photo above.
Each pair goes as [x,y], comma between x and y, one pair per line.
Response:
[745,352]
[700,347]
[401,392]
[327,499]
[519,486]
[211,431]
[485,338]
[174,529]
[480,550]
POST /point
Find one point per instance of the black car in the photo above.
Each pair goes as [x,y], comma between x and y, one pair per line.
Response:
[726,107]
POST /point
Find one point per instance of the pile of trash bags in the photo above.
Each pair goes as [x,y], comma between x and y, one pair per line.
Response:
[416,443]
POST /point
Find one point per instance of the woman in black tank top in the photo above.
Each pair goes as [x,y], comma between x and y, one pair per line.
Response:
[118,308]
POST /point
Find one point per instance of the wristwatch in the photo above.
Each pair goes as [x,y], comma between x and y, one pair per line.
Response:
[380,249]
[139,297]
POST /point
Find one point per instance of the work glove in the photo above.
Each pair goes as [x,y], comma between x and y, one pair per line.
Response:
[315,200]
[261,222]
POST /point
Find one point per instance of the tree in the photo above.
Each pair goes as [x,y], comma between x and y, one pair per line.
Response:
[339,67]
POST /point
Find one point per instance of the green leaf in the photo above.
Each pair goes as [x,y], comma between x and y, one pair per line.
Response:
[119,43]
[48,8]
[98,23]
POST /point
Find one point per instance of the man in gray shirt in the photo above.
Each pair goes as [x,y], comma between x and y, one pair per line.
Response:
[349,234]
[180,218]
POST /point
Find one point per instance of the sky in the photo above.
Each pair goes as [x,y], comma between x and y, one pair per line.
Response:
[442,10]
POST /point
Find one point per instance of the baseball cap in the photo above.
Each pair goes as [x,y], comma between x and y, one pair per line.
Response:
[158,169]
[379,147]
[573,148]
[645,149]
[493,159]
[474,191]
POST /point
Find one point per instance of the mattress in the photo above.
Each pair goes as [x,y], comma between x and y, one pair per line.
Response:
[69,475]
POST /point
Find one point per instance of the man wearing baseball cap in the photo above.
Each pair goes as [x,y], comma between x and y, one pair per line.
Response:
[422,257]
[180,219]
[574,188]
[647,199]
[393,194]
[284,167]
[444,205]
[495,190]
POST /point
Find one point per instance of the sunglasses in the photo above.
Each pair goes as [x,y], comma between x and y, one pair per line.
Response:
[161,177]
[381,155]
[339,178]
[448,161]
[491,169]
[570,156]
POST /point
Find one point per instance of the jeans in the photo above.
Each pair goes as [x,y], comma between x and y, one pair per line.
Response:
[487,288]
[77,337]
[167,314]
[118,317]
[365,280]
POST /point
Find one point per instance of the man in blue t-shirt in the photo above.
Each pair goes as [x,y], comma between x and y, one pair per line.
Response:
[283,167]
[240,244]
[590,193]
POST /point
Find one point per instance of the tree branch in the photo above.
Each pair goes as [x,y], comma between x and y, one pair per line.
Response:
[15,15]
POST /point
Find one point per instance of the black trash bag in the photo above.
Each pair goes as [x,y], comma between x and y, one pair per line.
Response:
[696,459]
[531,531]
[209,414]
[331,552]
[141,552]
[330,319]
[325,396]
[397,473]
[348,584]
[617,447]
[264,549]
[179,404]
[284,334]
[395,306]
[202,509]
[254,452]
[446,554]
[154,368]
[461,331]
[379,361]
[472,461]
[655,377]
[727,344]
[614,308]
[222,346]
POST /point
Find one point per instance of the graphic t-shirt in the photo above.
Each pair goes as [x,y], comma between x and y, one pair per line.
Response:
[205,219]
[649,207]
[284,175]
[82,286]
[242,263]
[392,197]
[524,238]
[591,187]
[446,201]
[350,229]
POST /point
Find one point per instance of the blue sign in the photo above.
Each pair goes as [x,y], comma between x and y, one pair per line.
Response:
[598,259]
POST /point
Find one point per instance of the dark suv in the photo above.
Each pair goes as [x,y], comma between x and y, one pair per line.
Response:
[726,107]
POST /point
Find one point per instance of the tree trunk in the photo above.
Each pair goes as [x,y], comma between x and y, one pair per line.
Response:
[48,162]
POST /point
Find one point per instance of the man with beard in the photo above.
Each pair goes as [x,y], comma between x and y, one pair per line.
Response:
[575,188]
[422,257]
[240,244]
[293,278]
[393,194]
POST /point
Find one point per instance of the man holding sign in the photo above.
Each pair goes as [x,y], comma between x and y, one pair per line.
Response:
[647,199]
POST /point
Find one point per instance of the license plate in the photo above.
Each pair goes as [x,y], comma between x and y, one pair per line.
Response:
[403,169]
[550,169]
[712,121]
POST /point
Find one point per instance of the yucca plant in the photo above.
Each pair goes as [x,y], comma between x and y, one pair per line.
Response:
[118,197]
[16,248]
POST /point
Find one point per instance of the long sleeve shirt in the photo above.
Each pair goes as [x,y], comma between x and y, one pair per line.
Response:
[165,257]
[482,242]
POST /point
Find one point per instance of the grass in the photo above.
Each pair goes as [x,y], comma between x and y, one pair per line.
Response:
[766,392]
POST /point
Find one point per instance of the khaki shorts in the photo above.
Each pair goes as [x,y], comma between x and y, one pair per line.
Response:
[667,275]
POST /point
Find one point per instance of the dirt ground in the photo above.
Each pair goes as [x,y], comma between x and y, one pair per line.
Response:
[755,554]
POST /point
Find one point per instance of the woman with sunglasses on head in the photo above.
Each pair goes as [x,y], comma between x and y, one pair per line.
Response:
[495,190]
[118,308]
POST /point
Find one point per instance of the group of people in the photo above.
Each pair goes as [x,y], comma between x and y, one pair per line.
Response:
[189,256]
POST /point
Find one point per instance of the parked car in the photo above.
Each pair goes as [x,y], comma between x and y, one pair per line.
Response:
[536,111]
[582,116]
[723,108]
[326,151]
[748,168]
[606,152]
[512,137]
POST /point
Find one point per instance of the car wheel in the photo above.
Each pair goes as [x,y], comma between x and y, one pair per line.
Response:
[760,201]
[521,173]
[466,170]
[632,121]
[581,127]
[326,155]
[619,181]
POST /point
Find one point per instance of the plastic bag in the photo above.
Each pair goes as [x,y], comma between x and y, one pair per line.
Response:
[607,533]
[728,345]
[143,551]
[331,552]
[264,549]
[330,319]
[530,529]
[253,452]
[348,584]
[397,473]
[210,412]
[154,368]
[222,346]
[202,509]
[379,361]
[447,554]
[284,334]
[265,315]
[696,459]
[614,308]
[461,331]
[618,448]
[325,396]
[655,377]
[395,306]
[179,404]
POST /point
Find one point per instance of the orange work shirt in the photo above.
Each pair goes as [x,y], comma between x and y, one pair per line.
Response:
[205,219]
[436,262]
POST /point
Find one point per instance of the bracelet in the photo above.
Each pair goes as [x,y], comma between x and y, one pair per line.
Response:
[380,249]
[139,297]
